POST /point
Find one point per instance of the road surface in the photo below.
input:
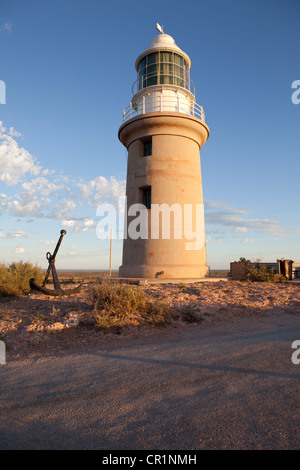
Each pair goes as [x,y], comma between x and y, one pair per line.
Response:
[230,386]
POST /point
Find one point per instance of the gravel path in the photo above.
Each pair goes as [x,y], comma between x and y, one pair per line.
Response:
[226,386]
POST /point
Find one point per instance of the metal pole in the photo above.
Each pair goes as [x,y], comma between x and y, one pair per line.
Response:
[110,253]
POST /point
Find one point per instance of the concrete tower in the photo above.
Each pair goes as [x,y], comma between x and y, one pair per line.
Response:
[163,130]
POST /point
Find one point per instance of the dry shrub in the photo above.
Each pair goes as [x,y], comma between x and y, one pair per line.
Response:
[256,272]
[189,313]
[263,274]
[117,305]
[159,312]
[14,278]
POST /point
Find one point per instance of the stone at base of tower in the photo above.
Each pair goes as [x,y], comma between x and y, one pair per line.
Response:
[167,271]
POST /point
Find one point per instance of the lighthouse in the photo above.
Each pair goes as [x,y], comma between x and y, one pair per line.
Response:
[163,131]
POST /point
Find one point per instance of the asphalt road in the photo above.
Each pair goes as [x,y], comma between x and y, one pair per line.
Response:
[223,387]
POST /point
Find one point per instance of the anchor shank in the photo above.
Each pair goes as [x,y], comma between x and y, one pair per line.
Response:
[62,234]
[54,275]
[47,275]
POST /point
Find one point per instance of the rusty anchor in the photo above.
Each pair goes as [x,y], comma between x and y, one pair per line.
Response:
[57,291]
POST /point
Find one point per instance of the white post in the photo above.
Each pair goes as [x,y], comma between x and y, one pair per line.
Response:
[110,253]
[202,114]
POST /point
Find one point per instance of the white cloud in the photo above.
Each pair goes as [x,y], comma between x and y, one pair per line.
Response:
[68,223]
[88,223]
[49,242]
[35,198]
[79,225]
[15,161]
[4,203]
[42,186]
[210,239]
[6,27]
[231,219]
[13,133]
[19,250]
[101,189]
[17,234]
[224,207]
[24,207]
[62,210]
[84,226]
[44,193]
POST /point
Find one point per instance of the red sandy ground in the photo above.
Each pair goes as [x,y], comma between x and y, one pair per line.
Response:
[37,325]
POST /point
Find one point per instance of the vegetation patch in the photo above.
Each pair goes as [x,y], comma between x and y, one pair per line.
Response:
[190,313]
[118,305]
[14,278]
[261,272]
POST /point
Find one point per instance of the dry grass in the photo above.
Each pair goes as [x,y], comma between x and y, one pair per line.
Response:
[118,305]
[14,278]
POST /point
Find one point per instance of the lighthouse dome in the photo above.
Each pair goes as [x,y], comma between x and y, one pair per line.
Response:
[163,42]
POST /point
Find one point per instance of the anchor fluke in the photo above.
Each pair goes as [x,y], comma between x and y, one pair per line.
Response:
[53,292]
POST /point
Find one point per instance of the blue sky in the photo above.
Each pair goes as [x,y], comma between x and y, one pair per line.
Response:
[68,67]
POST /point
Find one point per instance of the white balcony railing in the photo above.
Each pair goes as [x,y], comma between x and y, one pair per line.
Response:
[150,103]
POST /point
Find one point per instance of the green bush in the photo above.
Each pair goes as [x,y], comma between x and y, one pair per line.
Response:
[14,278]
[117,305]
[263,274]
[256,272]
